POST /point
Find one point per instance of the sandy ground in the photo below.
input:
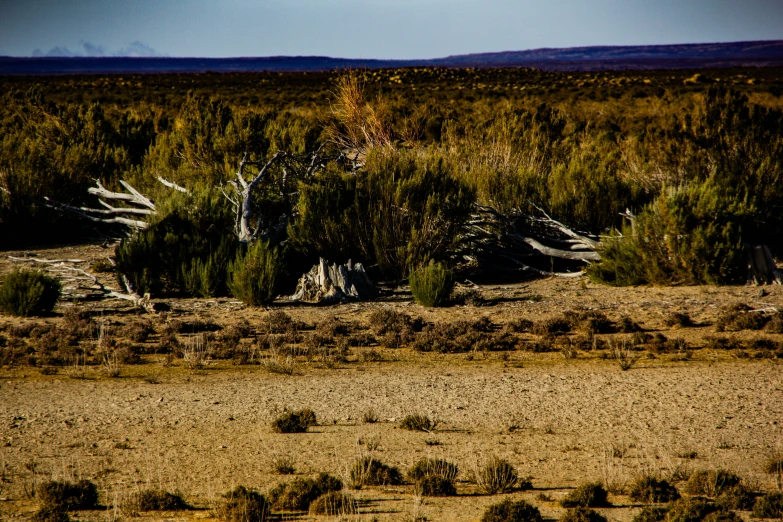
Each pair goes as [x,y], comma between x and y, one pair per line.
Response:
[559,421]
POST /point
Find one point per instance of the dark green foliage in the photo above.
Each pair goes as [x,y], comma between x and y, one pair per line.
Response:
[417,422]
[433,467]
[689,510]
[510,511]
[294,421]
[253,277]
[651,514]
[156,500]
[431,284]
[186,249]
[50,513]
[28,293]
[582,514]
[299,493]
[67,495]
[368,471]
[711,483]
[334,503]
[496,476]
[586,495]
[769,505]
[243,505]
[651,490]
[400,211]
[435,486]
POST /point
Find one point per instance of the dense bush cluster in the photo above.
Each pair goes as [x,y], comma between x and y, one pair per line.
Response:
[698,165]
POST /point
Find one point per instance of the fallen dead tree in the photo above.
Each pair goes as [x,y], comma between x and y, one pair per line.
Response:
[513,243]
[78,283]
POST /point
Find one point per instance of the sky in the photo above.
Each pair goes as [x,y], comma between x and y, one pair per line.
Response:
[385,29]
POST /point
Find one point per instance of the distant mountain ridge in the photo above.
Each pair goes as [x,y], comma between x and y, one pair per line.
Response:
[634,57]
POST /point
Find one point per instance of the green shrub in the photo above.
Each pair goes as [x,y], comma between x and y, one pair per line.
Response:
[186,248]
[649,489]
[67,495]
[402,209]
[433,467]
[510,511]
[769,506]
[431,285]
[417,422]
[711,483]
[334,503]
[582,514]
[299,493]
[368,471]
[294,421]
[435,486]
[243,505]
[651,514]
[496,476]
[155,500]
[690,235]
[586,495]
[253,277]
[29,292]
[688,510]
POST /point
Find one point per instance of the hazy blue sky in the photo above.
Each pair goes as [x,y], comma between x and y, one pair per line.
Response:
[371,28]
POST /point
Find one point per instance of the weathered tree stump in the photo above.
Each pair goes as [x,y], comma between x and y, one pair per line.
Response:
[329,283]
[761,267]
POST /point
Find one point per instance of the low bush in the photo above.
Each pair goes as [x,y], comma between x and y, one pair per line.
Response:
[711,483]
[298,494]
[284,465]
[254,275]
[520,326]
[243,505]
[651,514]
[417,422]
[582,514]
[67,495]
[48,513]
[723,516]
[368,471]
[651,490]
[740,316]
[678,319]
[155,500]
[29,292]
[294,421]
[427,467]
[586,495]
[435,486]
[335,503]
[736,498]
[496,476]
[553,326]
[769,505]
[510,511]
[431,285]
[689,510]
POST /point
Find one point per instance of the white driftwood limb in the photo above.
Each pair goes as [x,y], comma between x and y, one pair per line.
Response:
[172,185]
[61,266]
[563,254]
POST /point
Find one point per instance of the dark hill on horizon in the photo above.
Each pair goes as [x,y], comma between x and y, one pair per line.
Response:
[645,57]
